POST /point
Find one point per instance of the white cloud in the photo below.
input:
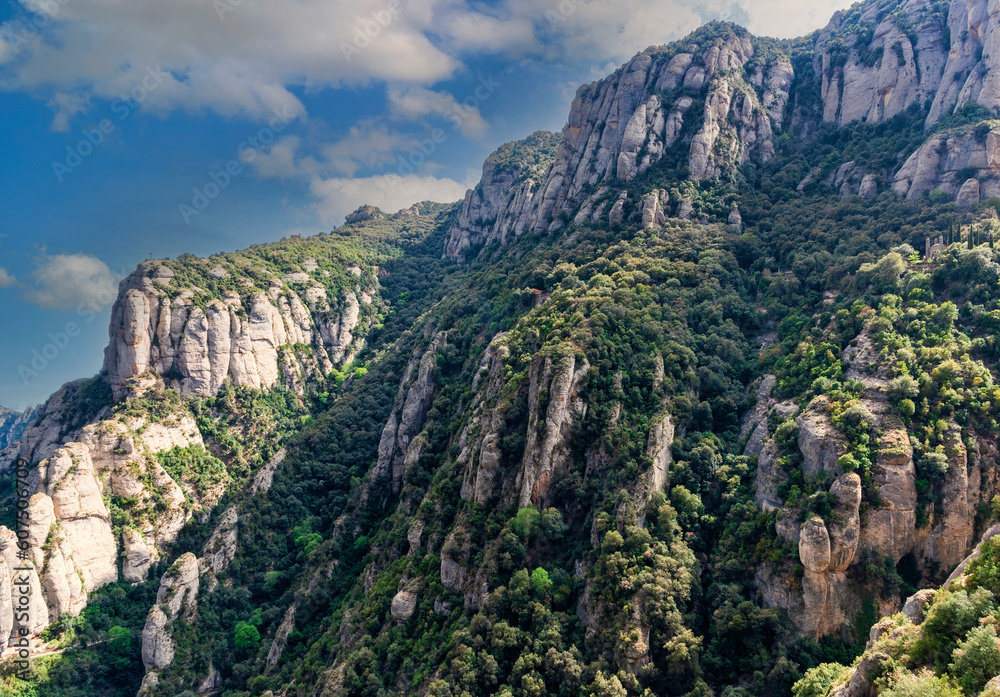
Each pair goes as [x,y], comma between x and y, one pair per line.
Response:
[367,144]
[790,18]
[282,161]
[242,64]
[72,281]
[416,102]
[66,106]
[477,32]
[6,279]
[250,61]
[338,196]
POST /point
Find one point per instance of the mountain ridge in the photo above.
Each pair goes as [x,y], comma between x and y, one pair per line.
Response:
[687,418]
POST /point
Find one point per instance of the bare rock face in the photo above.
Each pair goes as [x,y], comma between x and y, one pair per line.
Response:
[621,126]
[70,528]
[495,210]
[405,424]
[938,162]
[547,450]
[24,577]
[735,217]
[915,607]
[968,194]
[363,214]
[480,438]
[404,604]
[280,639]
[949,58]
[883,78]
[157,644]
[82,554]
[845,527]
[617,214]
[869,187]
[658,449]
[862,676]
[265,476]
[890,528]
[950,537]
[819,440]
[453,573]
[178,595]
[135,565]
[236,338]
[653,208]
[220,548]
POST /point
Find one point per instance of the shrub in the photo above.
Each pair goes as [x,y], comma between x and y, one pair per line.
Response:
[976,660]
[922,685]
[817,681]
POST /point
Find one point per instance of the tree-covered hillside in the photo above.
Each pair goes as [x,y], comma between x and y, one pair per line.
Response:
[681,402]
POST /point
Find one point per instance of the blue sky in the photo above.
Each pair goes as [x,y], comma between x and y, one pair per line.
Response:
[113,116]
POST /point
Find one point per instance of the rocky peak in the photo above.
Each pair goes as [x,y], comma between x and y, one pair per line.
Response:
[706,104]
[363,214]
[13,424]
[184,322]
[876,59]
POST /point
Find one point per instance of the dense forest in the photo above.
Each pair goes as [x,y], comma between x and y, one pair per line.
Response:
[610,481]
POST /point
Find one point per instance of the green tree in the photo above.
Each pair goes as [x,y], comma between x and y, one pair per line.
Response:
[540,581]
[816,682]
[246,637]
[976,660]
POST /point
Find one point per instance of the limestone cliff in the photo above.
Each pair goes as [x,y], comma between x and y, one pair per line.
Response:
[963,163]
[278,328]
[831,547]
[707,97]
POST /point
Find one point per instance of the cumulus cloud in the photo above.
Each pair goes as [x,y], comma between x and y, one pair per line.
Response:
[282,161]
[338,196]
[66,106]
[71,281]
[367,144]
[248,58]
[6,279]
[241,64]
[416,102]
[790,18]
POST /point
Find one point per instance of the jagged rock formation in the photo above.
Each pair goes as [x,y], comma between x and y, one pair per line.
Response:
[711,102]
[828,549]
[963,163]
[874,64]
[363,214]
[491,211]
[560,379]
[177,596]
[875,60]
[480,456]
[70,525]
[250,337]
[220,548]
[399,446]
[642,109]
[13,424]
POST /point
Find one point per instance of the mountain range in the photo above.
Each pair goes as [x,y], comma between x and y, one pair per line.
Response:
[696,397]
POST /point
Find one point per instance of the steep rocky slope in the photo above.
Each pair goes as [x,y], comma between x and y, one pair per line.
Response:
[12,425]
[712,390]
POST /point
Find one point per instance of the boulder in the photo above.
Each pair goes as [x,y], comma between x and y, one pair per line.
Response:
[915,607]
[404,604]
